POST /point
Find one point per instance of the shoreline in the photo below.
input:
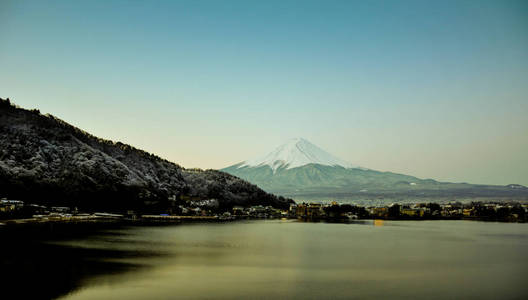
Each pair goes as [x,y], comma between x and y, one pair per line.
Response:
[153,220]
[31,231]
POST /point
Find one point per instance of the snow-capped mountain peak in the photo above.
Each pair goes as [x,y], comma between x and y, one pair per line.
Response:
[296,153]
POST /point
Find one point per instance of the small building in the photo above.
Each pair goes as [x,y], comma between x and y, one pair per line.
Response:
[301,210]
[413,212]
[467,212]
[60,209]
[313,210]
[379,211]
[238,211]
[10,205]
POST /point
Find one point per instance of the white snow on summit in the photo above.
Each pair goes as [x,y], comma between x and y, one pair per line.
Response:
[296,153]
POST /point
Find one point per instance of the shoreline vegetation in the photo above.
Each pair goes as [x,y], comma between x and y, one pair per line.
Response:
[308,212]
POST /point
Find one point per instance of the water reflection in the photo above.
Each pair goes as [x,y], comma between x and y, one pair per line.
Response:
[378,222]
[275,259]
[39,264]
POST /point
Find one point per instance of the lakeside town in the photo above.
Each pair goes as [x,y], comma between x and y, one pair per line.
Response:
[19,212]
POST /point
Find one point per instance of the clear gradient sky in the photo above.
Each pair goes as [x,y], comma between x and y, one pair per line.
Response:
[434,89]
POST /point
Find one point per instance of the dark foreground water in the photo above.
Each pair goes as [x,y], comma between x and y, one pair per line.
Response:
[273,259]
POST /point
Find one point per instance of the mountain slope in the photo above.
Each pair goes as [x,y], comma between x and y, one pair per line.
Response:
[295,174]
[45,160]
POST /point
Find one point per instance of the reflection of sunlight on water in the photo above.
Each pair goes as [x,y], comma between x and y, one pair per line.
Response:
[290,259]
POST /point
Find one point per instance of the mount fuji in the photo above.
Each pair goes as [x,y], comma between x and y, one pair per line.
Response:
[296,153]
[301,169]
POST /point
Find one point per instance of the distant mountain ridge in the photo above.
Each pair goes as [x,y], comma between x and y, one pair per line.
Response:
[46,160]
[300,169]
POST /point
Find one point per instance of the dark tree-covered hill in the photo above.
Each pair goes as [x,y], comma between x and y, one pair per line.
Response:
[48,161]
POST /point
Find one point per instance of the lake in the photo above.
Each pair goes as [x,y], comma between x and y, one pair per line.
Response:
[271,259]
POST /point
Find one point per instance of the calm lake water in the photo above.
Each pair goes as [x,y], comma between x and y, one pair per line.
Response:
[277,259]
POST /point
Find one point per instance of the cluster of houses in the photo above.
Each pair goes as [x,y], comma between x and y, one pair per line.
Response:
[513,211]
[257,212]
[209,208]
[8,206]
[17,209]
[498,211]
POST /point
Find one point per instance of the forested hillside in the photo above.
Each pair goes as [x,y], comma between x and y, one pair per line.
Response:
[46,160]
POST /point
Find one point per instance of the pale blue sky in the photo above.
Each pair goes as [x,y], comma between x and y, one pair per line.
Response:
[435,89]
